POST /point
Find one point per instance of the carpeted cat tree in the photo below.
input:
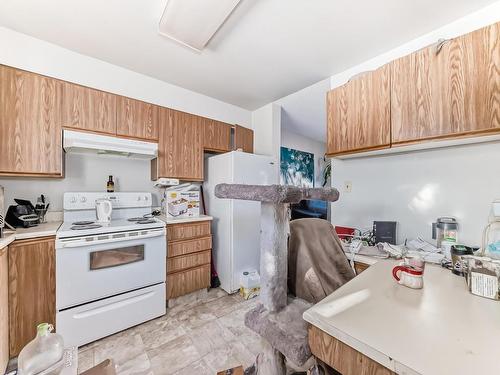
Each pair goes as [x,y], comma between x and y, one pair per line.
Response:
[277,318]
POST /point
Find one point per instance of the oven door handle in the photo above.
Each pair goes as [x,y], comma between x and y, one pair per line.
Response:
[112,306]
[84,242]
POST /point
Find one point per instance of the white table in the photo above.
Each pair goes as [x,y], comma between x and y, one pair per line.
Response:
[441,329]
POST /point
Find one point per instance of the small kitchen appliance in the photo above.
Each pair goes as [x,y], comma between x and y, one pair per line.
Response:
[22,215]
[108,270]
[103,210]
[182,201]
[445,230]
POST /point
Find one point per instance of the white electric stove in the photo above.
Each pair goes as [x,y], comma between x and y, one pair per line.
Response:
[109,276]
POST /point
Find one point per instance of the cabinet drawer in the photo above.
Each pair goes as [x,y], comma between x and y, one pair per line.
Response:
[189,230]
[188,246]
[181,283]
[188,261]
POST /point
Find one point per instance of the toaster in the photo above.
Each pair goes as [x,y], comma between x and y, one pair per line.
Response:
[22,215]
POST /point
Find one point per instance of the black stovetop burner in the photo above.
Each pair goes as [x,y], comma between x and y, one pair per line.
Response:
[85,226]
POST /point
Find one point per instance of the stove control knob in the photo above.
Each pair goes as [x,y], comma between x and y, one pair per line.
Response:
[138,198]
[145,197]
[72,200]
[83,199]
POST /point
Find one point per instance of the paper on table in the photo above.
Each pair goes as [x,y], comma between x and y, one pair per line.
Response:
[420,244]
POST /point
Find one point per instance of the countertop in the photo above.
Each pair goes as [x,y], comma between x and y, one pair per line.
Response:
[440,329]
[41,230]
[180,220]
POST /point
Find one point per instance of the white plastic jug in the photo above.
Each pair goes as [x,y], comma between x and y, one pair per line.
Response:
[41,353]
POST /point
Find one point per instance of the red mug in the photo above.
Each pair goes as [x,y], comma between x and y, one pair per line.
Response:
[409,276]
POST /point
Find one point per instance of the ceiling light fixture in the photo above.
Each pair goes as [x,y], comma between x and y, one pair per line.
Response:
[194,22]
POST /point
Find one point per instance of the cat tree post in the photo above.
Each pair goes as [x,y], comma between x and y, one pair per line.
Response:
[274,320]
[273,255]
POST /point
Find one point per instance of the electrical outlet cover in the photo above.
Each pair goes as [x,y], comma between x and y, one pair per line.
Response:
[347,186]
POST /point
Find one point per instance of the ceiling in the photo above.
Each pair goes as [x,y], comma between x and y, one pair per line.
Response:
[266,50]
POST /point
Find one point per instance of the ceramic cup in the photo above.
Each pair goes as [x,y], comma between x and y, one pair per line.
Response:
[415,262]
[409,276]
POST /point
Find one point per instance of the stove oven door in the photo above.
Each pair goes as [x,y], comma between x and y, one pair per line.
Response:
[95,267]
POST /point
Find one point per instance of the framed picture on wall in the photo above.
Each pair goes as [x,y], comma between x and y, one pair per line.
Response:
[296,168]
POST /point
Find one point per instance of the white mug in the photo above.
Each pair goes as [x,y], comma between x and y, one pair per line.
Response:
[409,276]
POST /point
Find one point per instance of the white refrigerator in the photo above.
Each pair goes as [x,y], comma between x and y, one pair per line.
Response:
[236,224]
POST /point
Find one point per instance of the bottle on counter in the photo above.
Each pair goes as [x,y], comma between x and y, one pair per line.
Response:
[42,353]
[111,185]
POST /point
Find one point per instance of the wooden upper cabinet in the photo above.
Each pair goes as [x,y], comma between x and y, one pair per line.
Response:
[216,135]
[32,289]
[358,114]
[88,109]
[136,119]
[30,124]
[180,149]
[446,90]
[243,138]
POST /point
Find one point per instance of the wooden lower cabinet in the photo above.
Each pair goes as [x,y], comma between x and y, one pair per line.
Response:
[181,283]
[360,267]
[342,357]
[188,231]
[189,256]
[32,289]
[4,310]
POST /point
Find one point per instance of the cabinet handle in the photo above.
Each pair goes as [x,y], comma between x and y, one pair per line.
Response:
[440,45]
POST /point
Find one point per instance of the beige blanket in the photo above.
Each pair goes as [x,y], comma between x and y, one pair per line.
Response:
[317,264]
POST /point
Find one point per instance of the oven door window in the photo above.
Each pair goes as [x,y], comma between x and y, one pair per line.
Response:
[116,257]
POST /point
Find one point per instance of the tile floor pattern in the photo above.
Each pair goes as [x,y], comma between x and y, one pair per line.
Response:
[201,337]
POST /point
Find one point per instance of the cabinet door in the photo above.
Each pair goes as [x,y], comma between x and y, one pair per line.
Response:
[359,114]
[88,109]
[30,124]
[243,138]
[449,91]
[181,283]
[136,119]
[216,135]
[32,289]
[4,310]
[180,151]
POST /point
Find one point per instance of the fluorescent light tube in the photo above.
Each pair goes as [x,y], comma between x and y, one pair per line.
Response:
[194,22]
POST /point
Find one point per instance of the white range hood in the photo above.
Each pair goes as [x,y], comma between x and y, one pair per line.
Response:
[80,142]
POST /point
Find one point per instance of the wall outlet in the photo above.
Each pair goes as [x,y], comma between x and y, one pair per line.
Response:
[347,186]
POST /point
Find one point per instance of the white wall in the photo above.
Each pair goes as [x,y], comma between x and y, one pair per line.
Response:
[299,142]
[304,111]
[416,188]
[25,52]
[266,124]
[84,173]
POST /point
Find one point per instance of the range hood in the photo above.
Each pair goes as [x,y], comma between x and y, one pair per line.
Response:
[80,142]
